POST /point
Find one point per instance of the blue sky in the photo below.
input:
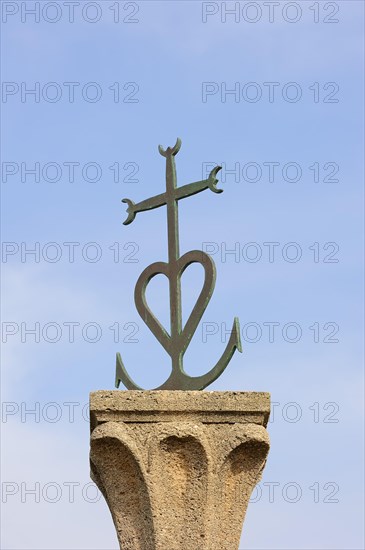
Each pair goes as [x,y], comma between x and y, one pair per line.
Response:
[161,64]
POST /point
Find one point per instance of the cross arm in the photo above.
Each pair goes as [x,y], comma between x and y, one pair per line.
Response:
[197,186]
[180,193]
[148,204]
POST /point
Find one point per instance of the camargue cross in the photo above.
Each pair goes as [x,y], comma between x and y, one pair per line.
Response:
[177,342]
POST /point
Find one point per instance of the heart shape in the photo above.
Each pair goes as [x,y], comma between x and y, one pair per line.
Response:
[174,272]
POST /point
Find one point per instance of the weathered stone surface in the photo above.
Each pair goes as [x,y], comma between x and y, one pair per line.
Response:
[177,468]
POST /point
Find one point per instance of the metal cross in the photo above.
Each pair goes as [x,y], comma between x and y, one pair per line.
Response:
[179,338]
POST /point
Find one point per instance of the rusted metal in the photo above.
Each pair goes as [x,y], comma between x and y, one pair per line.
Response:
[179,338]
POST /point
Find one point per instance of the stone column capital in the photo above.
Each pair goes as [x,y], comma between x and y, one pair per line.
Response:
[177,468]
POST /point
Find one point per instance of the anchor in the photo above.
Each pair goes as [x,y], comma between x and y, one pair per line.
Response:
[179,338]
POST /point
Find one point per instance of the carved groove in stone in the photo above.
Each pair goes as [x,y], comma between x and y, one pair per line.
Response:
[119,475]
[183,494]
[240,473]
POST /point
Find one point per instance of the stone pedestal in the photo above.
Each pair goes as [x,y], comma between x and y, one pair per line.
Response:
[177,468]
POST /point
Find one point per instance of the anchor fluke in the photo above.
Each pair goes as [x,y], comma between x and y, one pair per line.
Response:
[121,375]
[237,334]
[234,343]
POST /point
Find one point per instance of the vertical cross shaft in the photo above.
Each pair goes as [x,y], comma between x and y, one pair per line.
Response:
[173,251]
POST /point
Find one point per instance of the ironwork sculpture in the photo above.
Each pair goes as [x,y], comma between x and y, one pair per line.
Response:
[179,338]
